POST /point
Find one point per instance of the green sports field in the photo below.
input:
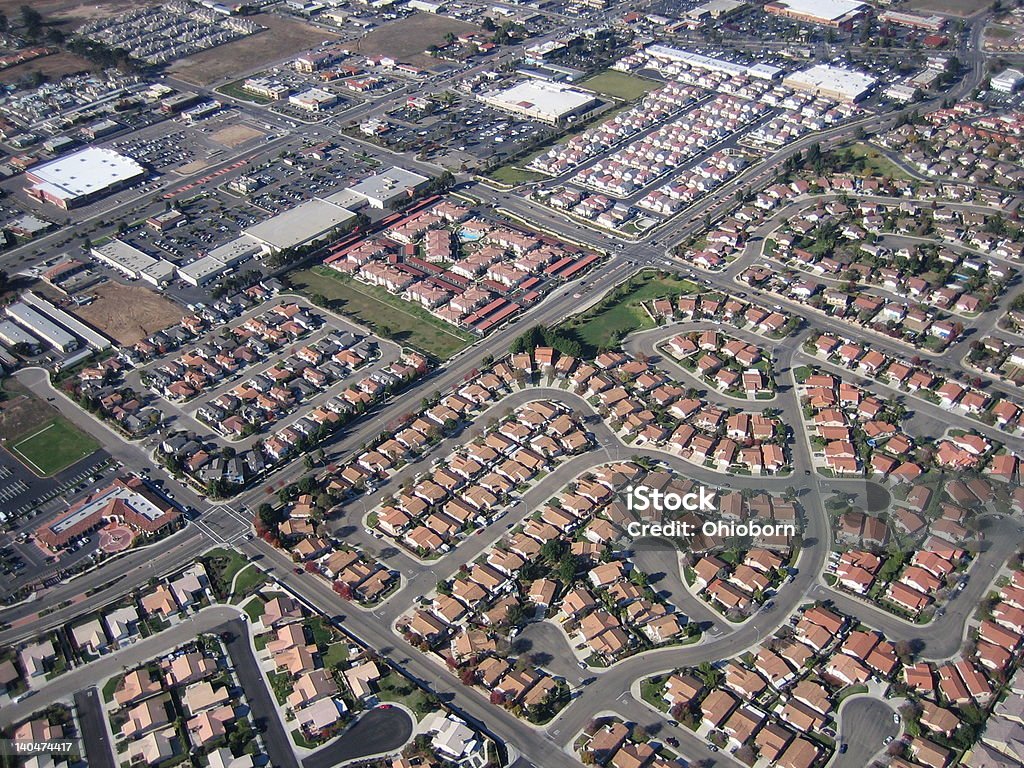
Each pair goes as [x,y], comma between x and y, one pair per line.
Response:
[53,447]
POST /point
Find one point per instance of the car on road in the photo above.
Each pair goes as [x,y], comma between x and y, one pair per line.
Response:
[896,717]
[888,740]
[297,570]
[843,747]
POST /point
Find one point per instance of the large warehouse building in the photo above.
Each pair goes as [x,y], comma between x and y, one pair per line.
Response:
[134,263]
[832,82]
[299,226]
[42,326]
[840,14]
[83,176]
[542,100]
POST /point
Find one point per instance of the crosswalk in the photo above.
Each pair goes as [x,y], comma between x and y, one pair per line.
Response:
[224,525]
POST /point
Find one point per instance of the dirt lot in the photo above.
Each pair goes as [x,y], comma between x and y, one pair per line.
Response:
[233,135]
[128,313]
[282,38]
[54,67]
[960,8]
[21,412]
[407,39]
[76,12]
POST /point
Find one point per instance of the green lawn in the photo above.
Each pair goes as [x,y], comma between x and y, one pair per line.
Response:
[337,654]
[394,687]
[386,314]
[604,325]
[254,609]
[247,583]
[222,565]
[621,85]
[877,164]
[54,447]
[512,175]
[110,686]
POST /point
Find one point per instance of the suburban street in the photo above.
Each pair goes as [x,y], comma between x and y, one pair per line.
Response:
[865,721]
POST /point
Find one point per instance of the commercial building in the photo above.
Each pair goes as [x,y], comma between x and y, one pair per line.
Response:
[92,337]
[1007,81]
[313,100]
[710,64]
[715,9]
[831,82]
[388,187]
[83,176]
[41,326]
[201,271]
[220,260]
[840,14]
[127,502]
[933,23]
[542,100]
[266,87]
[11,335]
[903,93]
[134,263]
[301,225]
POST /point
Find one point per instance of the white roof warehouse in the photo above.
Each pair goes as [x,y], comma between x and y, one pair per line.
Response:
[83,176]
[542,100]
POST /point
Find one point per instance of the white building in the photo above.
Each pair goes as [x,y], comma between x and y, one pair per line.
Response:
[82,177]
[384,189]
[829,13]
[313,100]
[543,100]
[1007,81]
[831,82]
[42,326]
[299,226]
[134,263]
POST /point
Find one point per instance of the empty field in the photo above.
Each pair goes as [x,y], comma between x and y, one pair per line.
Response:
[21,412]
[387,315]
[52,67]
[54,447]
[128,313]
[407,39]
[282,39]
[621,85]
[233,135]
[961,8]
[73,13]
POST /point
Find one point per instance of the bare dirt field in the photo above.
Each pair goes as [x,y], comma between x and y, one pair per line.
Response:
[76,12]
[128,313]
[21,412]
[407,39]
[233,135]
[189,168]
[960,8]
[53,67]
[281,39]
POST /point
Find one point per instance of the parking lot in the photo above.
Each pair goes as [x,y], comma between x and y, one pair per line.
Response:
[466,131]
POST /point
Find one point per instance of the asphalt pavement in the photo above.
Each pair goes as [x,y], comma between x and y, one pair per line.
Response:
[376,732]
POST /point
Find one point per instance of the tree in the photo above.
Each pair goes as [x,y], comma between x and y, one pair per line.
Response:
[32,20]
